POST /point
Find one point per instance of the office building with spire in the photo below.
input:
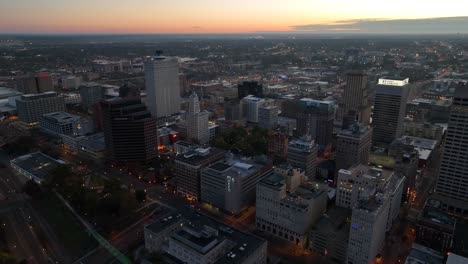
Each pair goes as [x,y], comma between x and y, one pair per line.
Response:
[197,122]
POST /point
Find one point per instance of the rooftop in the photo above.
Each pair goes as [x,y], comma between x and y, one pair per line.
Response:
[199,156]
[61,117]
[422,254]
[37,164]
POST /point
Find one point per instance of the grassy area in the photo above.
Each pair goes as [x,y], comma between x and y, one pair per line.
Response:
[70,232]
[382,160]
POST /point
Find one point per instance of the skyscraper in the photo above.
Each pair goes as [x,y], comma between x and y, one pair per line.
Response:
[315,118]
[302,153]
[356,107]
[389,110]
[197,121]
[250,107]
[129,130]
[353,146]
[31,107]
[91,94]
[162,88]
[452,183]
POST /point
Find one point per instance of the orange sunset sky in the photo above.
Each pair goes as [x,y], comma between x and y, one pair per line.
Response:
[205,16]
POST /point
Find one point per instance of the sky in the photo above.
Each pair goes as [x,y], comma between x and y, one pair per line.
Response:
[233,16]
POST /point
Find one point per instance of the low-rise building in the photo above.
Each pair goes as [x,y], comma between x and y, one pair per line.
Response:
[35,166]
[420,254]
[199,239]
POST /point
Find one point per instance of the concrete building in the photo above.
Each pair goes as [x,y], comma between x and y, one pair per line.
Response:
[420,254]
[452,183]
[355,99]
[37,84]
[91,94]
[250,107]
[188,169]
[63,123]
[353,146]
[287,205]
[302,153]
[268,116]
[230,185]
[197,122]
[389,110]
[233,110]
[368,227]
[362,181]
[31,107]
[315,118]
[423,130]
[329,237]
[130,130]
[35,166]
[162,87]
[199,239]
[93,147]
[278,145]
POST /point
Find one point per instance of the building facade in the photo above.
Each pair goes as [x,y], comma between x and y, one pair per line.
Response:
[355,99]
[31,107]
[302,153]
[197,122]
[162,88]
[91,94]
[250,107]
[268,116]
[389,110]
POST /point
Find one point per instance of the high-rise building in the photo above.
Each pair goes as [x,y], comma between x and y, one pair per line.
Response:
[278,145]
[197,122]
[31,107]
[188,168]
[38,84]
[91,94]
[249,88]
[452,183]
[389,110]
[367,233]
[230,185]
[302,153]
[353,146]
[287,205]
[315,118]
[129,129]
[250,107]
[268,116]
[355,99]
[233,110]
[162,88]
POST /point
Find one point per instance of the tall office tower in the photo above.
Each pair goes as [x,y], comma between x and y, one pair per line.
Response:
[302,153]
[249,88]
[162,88]
[452,183]
[233,110]
[353,146]
[31,107]
[197,122]
[389,110]
[268,116]
[315,118]
[129,130]
[91,94]
[250,107]
[356,106]
[38,84]
[367,233]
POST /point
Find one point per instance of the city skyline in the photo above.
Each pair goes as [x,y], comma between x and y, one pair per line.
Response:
[208,16]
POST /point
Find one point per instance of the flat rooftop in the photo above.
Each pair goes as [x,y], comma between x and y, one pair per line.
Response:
[422,254]
[273,179]
[61,117]
[199,156]
[37,164]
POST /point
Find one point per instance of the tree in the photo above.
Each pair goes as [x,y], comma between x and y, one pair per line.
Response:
[32,189]
[140,195]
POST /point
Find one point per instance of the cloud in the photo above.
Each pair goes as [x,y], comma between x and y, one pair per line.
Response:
[441,25]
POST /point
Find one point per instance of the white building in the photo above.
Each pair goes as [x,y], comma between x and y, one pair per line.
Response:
[367,233]
[251,105]
[197,122]
[162,88]
[363,181]
[268,116]
[287,208]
